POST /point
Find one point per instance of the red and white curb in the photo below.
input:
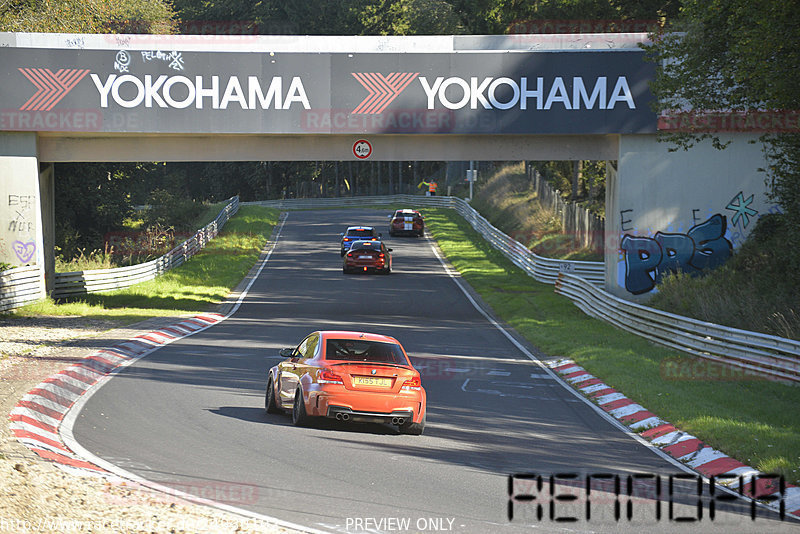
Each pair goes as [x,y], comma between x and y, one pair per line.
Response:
[37,417]
[684,447]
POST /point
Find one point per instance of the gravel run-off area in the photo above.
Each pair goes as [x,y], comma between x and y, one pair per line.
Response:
[38,496]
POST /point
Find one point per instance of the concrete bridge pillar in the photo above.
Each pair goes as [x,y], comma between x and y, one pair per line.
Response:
[23,188]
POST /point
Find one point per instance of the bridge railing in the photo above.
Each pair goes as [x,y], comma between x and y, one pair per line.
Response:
[582,282]
[22,285]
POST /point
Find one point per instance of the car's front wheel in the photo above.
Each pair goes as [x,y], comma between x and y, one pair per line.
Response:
[270,406]
[414,429]
[299,415]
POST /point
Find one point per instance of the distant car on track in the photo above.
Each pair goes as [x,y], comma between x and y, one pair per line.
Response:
[406,222]
[357,233]
[348,376]
[367,256]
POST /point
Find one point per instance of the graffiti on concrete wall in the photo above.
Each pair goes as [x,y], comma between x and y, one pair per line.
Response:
[20,227]
[648,259]
[24,251]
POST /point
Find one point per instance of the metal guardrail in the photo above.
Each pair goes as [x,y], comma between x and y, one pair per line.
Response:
[22,285]
[100,280]
[583,282]
[542,269]
[750,351]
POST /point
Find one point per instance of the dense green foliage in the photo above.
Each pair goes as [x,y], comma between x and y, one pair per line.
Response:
[508,201]
[753,291]
[738,56]
[88,16]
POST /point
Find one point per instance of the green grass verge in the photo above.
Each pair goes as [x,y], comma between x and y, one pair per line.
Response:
[754,421]
[202,282]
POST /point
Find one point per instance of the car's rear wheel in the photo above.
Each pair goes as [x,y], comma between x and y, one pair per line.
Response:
[413,429]
[345,270]
[299,415]
[269,401]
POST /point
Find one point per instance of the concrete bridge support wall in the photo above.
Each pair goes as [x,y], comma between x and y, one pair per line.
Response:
[687,208]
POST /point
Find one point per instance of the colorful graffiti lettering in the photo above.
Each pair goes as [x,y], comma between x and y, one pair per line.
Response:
[647,259]
[24,251]
[742,209]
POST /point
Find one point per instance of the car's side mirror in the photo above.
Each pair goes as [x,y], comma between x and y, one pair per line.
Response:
[286,353]
[389,249]
[341,234]
[389,216]
[380,234]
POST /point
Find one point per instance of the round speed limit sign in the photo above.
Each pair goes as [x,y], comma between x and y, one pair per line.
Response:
[362,149]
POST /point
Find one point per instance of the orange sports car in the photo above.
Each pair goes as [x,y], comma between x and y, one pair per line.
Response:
[348,376]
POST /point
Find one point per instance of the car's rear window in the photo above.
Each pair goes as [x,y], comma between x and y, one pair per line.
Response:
[359,350]
[373,245]
[360,233]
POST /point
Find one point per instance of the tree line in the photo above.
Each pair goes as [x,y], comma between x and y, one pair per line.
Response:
[729,54]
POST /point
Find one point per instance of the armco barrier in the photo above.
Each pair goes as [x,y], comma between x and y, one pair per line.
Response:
[99,280]
[19,286]
[582,282]
[750,351]
[542,269]
[22,285]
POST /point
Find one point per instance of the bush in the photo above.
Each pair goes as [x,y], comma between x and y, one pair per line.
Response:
[167,210]
[756,290]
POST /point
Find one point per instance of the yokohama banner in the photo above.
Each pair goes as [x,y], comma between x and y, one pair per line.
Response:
[155,91]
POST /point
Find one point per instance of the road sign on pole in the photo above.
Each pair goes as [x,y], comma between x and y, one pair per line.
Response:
[362,149]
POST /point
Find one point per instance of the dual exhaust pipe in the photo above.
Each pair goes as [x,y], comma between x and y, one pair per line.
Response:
[340,416]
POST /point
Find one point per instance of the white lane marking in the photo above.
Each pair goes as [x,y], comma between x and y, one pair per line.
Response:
[498,393]
[457,370]
[602,413]
[498,373]
[540,376]
[72,415]
[458,357]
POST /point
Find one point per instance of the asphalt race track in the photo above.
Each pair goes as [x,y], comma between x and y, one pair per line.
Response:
[191,414]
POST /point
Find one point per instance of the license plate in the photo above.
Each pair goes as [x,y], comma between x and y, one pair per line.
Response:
[372,381]
[365,257]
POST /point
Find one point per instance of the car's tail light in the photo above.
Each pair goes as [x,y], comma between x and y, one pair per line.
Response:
[381,255]
[412,383]
[328,377]
[350,254]
[346,239]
